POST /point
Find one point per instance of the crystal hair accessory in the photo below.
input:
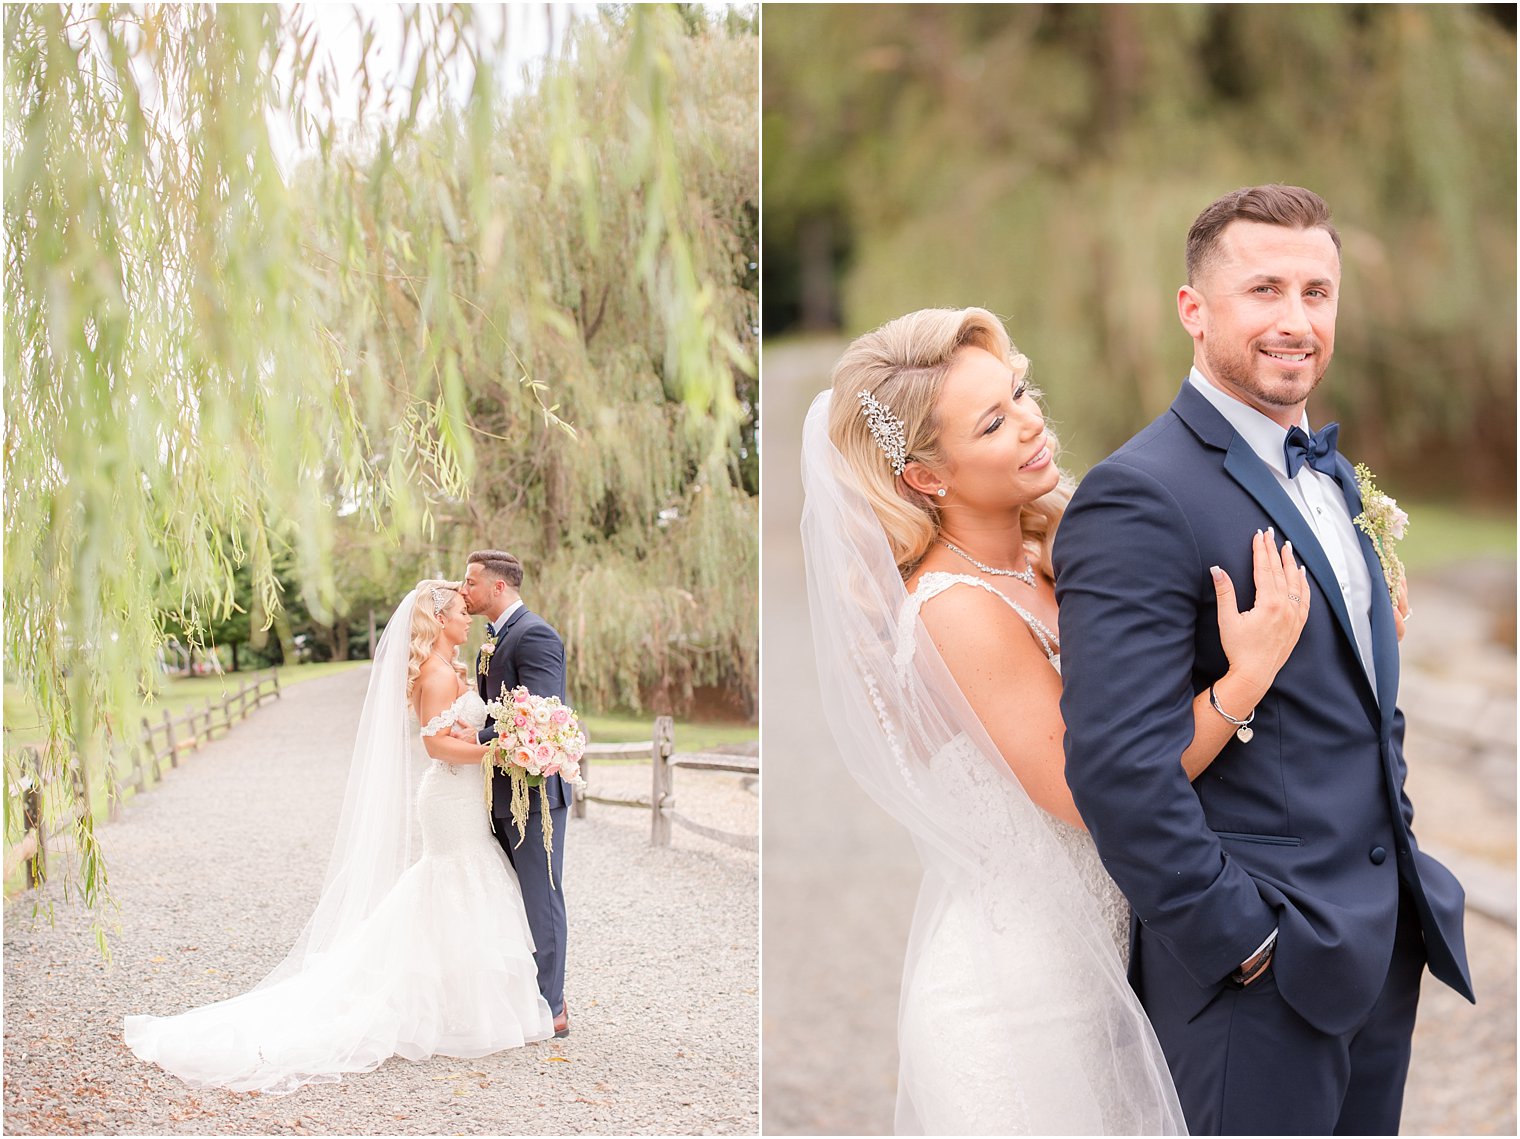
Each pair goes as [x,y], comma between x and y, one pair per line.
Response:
[886,429]
[440,599]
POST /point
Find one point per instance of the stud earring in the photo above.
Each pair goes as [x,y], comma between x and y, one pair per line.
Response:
[941,492]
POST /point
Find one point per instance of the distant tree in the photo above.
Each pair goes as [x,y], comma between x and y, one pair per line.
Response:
[1046,160]
[564,261]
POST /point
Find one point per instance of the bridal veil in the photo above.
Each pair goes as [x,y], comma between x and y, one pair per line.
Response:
[1048,992]
[309,1002]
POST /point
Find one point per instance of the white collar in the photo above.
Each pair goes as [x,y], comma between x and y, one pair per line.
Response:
[1264,436]
[500,623]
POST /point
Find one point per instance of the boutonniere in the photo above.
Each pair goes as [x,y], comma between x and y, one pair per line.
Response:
[1383,522]
[484,664]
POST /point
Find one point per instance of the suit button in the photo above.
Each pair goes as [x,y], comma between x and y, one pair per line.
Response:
[1377,854]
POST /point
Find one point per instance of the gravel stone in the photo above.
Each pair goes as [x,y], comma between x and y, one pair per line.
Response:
[215,871]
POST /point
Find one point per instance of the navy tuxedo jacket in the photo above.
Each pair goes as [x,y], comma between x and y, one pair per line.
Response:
[530,653]
[1307,827]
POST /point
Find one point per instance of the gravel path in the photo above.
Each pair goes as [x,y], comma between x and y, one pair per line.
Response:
[216,870]
[841,876]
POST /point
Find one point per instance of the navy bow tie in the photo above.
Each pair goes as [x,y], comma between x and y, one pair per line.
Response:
[1317,448]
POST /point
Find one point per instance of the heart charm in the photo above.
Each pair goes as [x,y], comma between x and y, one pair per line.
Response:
[1244,734]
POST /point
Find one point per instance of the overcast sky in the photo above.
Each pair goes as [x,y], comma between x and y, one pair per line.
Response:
[533,31]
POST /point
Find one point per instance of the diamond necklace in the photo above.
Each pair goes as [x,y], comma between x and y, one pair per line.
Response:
[1026,575]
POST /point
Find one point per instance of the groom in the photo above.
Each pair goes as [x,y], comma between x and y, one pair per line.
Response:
[521,648]
[1284,913]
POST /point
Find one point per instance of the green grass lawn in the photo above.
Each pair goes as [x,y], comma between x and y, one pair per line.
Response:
[1441,534]
[623,727]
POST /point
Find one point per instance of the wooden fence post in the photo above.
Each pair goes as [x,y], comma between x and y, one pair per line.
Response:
[659,793]
[31,819]
[145,757]
[76,781]
[169,739]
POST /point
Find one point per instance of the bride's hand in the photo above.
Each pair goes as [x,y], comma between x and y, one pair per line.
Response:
[1259,641]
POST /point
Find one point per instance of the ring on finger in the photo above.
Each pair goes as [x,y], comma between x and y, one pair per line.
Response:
[1293,597]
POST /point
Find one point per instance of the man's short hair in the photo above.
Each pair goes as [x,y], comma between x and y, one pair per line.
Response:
[1290,206]
[499,563]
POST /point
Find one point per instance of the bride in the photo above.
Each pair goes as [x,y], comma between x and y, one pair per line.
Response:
[932,496]
[413,960]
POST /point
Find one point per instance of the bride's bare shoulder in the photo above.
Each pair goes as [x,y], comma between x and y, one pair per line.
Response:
[970,620]
[437,686]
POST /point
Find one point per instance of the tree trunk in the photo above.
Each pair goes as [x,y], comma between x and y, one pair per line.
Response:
[285,638]
[818,275]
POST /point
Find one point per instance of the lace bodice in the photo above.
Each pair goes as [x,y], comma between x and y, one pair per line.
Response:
[469,709]
[960,766]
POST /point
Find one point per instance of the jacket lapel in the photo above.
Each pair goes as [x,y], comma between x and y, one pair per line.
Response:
[1256,479]
[483,666]
[1385,642]
[1242,465]
[502,671]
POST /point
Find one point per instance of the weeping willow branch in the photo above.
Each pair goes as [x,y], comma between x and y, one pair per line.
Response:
[210,362]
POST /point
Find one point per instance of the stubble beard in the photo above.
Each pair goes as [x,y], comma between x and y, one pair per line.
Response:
[1243,373]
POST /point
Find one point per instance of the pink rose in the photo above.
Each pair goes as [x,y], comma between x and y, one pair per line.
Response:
[523,757]
[559,716]
[519,720]
[543,753]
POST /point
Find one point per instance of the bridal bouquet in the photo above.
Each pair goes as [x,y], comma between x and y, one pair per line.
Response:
[536,736]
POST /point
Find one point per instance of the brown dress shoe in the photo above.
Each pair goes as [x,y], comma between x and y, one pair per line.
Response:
[562,1023]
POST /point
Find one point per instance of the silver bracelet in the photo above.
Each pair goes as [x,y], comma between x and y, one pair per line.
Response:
[1243,731]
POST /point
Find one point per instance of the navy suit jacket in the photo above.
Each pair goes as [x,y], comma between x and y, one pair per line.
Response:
[1307,827]
[530,653]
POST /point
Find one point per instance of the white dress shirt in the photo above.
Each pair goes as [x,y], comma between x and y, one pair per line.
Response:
[1318,498]
[500,623]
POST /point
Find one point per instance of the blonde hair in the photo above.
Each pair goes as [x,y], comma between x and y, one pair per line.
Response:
[903,364]
[426,626]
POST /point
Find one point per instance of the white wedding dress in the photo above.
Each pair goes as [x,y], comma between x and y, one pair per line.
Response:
[1016,1014]
[999,1051]
[442,966]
